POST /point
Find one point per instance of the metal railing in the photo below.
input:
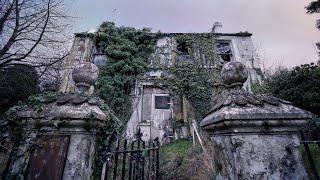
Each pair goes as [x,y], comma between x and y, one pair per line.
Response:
[310,139]
[132,160]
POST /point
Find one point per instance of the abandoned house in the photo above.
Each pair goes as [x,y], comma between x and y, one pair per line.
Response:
[153,108]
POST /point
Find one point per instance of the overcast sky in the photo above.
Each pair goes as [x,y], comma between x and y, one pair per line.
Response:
[282,32]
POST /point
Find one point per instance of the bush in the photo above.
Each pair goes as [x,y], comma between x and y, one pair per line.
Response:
[301,86]
[17,83]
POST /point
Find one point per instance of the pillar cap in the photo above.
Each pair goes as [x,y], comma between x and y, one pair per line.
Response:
[85,75]
[234,73]
[234,105]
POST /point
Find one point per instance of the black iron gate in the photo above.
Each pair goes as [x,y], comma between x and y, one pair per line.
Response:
[310,139]
[133,160]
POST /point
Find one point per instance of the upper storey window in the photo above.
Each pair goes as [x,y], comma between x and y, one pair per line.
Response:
[182,47]
[224,51]
[183,50]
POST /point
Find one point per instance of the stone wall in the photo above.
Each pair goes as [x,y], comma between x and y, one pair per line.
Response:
[166,53]
[244,52]
[258,156]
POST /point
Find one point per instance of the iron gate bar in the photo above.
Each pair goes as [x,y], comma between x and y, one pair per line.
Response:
[149,157]
[312,164]
[124,160]
[153,152]
[157,162]
[318,136]
[108,155]
[138,156]
[130,164]
[135,155]
[116,160]
[135,150]
[310,142]
[142,170]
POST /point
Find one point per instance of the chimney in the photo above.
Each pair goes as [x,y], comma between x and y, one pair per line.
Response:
[216,27]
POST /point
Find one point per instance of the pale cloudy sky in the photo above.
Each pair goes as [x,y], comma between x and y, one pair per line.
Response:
[282,32]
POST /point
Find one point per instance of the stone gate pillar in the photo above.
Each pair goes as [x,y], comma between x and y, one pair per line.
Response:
[59,141]
[254,136]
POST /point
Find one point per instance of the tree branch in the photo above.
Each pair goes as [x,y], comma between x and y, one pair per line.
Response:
[5,16]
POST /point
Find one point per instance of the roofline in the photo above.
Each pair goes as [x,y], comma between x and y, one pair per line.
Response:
[239,34]
[242,34]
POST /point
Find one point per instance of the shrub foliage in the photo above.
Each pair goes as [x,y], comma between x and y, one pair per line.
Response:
[301,86]
[128,51]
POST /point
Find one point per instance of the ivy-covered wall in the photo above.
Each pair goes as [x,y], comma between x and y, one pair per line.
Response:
[188,67]
[128,51]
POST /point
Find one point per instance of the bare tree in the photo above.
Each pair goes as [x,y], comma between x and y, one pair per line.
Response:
[32,32]
[313,8]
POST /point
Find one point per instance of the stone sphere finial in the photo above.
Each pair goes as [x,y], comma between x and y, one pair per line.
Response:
[234,73]
[85,75]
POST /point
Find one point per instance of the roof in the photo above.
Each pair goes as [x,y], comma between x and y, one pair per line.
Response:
[239,34]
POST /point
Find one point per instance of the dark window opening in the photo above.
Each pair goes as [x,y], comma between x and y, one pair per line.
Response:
[162,102]
[182,47]
[224,51]
[226,57]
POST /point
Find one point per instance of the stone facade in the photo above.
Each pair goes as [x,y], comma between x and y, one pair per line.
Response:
[230,47]
[155,122]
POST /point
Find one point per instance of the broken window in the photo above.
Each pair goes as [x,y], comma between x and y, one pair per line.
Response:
[224,51]
[183,49]
[162,102]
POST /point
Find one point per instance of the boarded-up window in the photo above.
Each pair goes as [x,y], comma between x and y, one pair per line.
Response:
[48,158]
[162,102]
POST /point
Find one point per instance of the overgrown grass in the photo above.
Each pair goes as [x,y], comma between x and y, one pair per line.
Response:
[173,159]
[315,151]
[177,148]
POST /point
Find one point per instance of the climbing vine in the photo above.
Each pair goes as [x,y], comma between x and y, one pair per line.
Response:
[194,76]
[128,51]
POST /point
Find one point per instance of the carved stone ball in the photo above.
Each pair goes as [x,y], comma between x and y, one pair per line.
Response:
[234,72]
[85,73]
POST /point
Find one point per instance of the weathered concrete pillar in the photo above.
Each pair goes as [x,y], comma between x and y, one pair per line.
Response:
[254,136]
[81,51]
[59,142]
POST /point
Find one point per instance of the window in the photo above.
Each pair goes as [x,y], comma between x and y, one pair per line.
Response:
[162,102]
[182,47]
[183,52]
[224,51]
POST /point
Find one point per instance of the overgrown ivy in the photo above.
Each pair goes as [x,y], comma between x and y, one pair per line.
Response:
[128,51]
[194,76]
